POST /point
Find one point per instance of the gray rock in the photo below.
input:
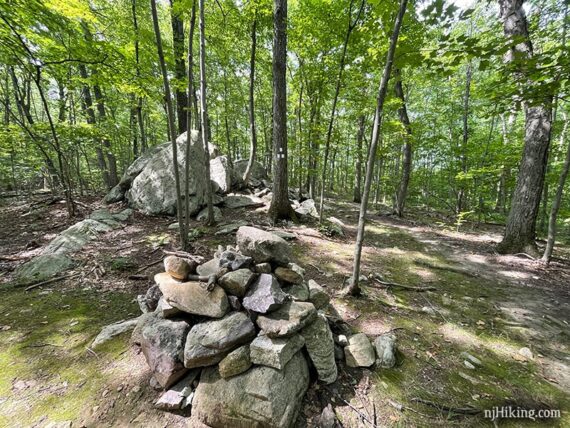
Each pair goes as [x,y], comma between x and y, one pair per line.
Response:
[142,303]
[359,352]
[211,267]
[243,201]
[235,303]
[258,172]
[386,350]
[275,352]
[174,398]
[236,362]
[234,261]
[264,295]
[152,296]
[166,310]
[317,295]
[209,342]
[142,322]
[342,340]
[221,173]
[327,419]
[230,228]
[472,359]
[162,345]
[179,268]
[43,267]
[320,347]
[112,330]
[307,208]
[262,397]
[193,297]
[287,236]
[288,275]
[299,292]
[203,215]
[288,319]
[263,268]
[237,282]
[263,246]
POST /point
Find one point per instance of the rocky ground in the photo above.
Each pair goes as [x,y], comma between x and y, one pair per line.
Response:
[491,331]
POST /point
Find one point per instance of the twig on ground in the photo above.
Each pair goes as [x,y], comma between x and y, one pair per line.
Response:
[184,255]
[401,408]
[92,352]
[50,281]
[444,267]
[435,310]
[138,277]
[525,255]
[41,345]
[317,269]
[387,284]
[148,265]
[472,411]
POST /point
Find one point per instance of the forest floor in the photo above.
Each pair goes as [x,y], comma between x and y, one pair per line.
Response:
[487,305]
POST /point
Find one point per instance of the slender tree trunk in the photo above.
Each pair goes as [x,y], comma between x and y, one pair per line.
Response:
[252,131]
[139,115]
[353,286]
[280,206]
[557,197]
[204,112]
[461,194]
[350,27]
[407,161]
[171,121]
[520,231]
[111,160]
[357,194]
[179,66]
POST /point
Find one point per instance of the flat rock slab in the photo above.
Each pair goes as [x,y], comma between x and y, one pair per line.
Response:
[288,319]
[175,397]
[209,342]
[320,347]
[192,297]
[112,330]
[274,352]
[211,267]
[263,246]
[234,261]
[359,352]
[237,282]
[162,343]
[243,201]
[264,295]
[288,275]
[262,397]
[230,228]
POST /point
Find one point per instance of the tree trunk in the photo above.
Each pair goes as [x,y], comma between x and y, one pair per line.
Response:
[520,230]
[357,195]
[139,116]
[204,112]
[407,161]
[461,194]
[252,131]
[280,206]
[171,121]
[349,29]
[353,286]
[557,197]
[179,66]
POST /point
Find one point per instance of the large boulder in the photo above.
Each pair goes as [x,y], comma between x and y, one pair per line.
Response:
[263,246]
[258,172]
[262,397]
[221,173]
[193,297]
[162,343]
[209,342]
[149,185]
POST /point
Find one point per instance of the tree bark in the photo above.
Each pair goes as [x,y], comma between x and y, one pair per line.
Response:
[252,131]
[461,194]
[280,206]
[204,113]
[350,27]
[179,66]
[353,287]
[139,115]
[171,121]
[557,197]
[520,229]
[357,194]
[407,161]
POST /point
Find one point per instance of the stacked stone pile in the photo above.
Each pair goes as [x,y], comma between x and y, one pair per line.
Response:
[235,337]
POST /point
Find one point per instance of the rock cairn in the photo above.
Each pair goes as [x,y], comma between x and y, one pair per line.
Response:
[235,337]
